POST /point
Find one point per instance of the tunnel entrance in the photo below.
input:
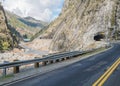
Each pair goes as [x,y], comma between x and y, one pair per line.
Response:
[99,36]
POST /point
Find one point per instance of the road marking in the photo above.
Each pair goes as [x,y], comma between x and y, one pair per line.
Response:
[107,74]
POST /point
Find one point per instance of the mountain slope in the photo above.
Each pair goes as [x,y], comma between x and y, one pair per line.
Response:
[7,40]
[34,23]
[84,25]
[25,26]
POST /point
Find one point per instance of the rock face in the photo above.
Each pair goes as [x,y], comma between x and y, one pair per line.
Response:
[84,25]
[6,38]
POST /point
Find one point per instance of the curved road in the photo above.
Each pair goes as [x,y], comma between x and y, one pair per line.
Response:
[81,73]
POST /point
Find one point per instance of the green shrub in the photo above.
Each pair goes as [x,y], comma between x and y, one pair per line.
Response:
[5,45]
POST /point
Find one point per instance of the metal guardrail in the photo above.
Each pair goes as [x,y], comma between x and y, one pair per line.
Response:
[45,60]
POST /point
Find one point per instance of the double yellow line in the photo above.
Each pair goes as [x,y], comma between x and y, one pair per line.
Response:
[107,74]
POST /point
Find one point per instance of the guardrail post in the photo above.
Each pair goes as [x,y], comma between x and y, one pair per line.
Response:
[57,60]
[67,57]
[62,59]
[36,65]
[16,68]
[51,61]
[44,63]
[5,70]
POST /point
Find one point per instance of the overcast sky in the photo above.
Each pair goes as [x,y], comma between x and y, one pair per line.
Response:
[45,10]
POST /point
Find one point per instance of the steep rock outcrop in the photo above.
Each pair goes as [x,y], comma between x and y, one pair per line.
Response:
[6,39]
[83,25]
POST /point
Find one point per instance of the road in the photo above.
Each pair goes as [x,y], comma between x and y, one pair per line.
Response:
[114,79]
[81,73]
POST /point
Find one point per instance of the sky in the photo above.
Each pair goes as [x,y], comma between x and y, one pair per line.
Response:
[45,10]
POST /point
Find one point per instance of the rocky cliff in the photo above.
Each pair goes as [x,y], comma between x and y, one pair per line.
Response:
[7,40]
[84,25]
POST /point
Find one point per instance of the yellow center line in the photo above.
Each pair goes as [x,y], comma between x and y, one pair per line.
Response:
[111,69]
[108,75]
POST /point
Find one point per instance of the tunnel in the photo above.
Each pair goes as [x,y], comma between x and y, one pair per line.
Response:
[99,36]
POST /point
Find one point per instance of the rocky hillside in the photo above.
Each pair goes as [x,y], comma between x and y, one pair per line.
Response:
[27,26]
[84,25]
[7,40]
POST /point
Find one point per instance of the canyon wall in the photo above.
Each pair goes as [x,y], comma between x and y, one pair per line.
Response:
[84,25]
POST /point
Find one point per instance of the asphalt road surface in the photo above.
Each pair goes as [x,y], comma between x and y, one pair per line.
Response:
[81,73]
[114,79]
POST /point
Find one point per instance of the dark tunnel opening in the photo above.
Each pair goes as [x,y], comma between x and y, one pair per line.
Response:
[99,37]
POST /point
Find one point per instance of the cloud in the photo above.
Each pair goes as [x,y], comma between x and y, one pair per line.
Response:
[45,10]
